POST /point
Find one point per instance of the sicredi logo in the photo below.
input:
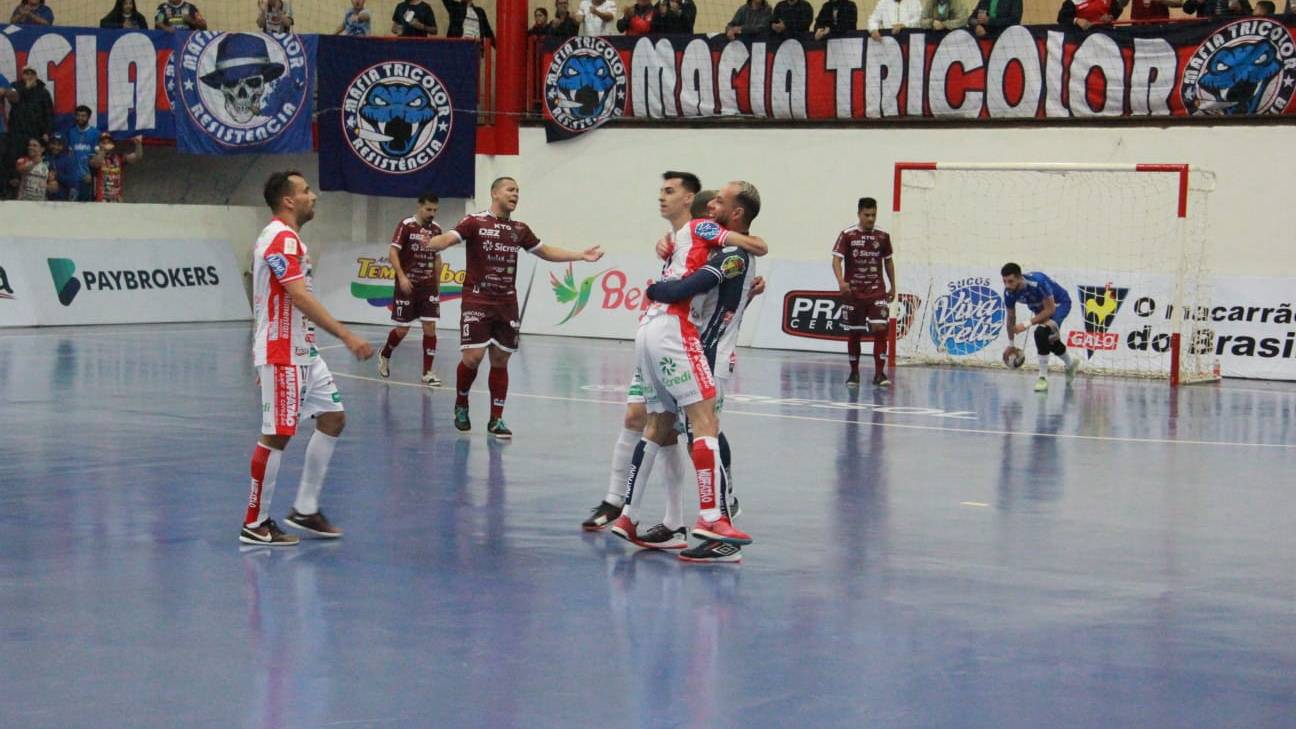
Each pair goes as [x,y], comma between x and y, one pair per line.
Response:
[67,284]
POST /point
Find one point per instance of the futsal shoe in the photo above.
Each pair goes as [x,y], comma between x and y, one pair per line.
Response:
[1072,368]
[735,508]
[712,551]
[625,529]
[498,429]
[430,379]
[462,422]
[268,534]
[1041,385]
[315,524]
[601,516]
[853,380]
[662,537]
[384,366]
[721,530]
[880,380]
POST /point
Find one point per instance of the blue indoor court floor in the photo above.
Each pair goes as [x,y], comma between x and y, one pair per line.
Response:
[956,551]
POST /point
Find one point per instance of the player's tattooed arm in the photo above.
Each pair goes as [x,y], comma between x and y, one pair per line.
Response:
[753,244]
[564,255]
[445,240]
[1012,329]
[303,299]
[1046,311]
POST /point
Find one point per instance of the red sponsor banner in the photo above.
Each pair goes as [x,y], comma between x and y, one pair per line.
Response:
[1095,341]
[1239,67]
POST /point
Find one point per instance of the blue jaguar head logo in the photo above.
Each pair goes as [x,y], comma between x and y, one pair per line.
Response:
[1245,67]
[585,84]
[399,111]
[1239,75]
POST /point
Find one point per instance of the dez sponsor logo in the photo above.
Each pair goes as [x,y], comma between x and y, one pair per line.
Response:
[968,318]
[820,315]
[397,117]
[242,89]
[1246,67]
[585,84]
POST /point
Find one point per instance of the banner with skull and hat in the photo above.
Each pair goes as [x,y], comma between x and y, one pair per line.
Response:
[242,93]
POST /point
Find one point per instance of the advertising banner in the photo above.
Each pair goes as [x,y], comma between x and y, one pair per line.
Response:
[1238,67]
[357,283]
[603,299]
[124,281]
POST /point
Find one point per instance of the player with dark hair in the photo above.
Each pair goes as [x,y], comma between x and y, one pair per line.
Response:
[673,367]
[418,285]
[295,382]
[489,319]
[860,256]
[1049,304]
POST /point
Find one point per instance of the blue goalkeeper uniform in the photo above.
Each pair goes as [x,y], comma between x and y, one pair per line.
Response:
[1038,288]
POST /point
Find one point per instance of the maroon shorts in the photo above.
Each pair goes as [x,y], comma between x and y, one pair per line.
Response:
[485,323]
[859,313]
[423,304]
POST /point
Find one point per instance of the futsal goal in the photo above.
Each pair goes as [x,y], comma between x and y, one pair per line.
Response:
[1126,241]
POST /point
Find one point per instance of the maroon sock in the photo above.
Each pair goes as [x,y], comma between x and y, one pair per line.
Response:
[463,383]
[879,353]
[498,391]
[853,350]
[393,340]
[429,351]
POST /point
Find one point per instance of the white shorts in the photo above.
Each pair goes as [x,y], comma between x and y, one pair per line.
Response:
[290,393]
[672,365]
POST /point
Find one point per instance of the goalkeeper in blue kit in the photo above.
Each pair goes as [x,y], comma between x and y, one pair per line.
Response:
[1049,305]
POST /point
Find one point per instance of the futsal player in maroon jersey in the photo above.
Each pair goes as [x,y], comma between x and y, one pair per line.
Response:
[418,285]
[860,256]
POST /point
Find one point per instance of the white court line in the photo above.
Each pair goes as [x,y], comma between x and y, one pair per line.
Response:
[80,331]
[901,426]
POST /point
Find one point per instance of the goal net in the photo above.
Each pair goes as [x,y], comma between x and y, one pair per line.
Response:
[1126,242]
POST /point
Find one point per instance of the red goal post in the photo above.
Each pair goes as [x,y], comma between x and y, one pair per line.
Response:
[1116,234]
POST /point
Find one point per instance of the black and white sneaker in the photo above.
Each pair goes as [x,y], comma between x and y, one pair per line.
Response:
[712,551]
[663,537]
[601,516]
[268,534]
[315,524]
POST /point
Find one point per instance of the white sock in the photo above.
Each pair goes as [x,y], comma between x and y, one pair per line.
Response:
[622,452]
[1043,362]
[267,484]
[319,451]
[634,495]
[673,473]
[1066,358]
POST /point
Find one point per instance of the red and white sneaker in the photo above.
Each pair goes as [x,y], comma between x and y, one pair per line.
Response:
[721,530]
[625,529]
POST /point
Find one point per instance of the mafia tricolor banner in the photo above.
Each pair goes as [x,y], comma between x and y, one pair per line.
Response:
[1242,67]
[240,93]
[397,117]
[120,74]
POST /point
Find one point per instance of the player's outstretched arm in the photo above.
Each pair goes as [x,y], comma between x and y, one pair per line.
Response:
[553,254]
[444,241]
[1012,324]
[303,299]
[753,244]
[668,292]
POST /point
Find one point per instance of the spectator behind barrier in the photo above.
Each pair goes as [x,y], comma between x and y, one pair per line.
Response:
[944,14]
[1152,10]
[1217,8]
[64,166]
[894,15]
[35,178]
[173,15]
[597,17]
[467,20]
[82,140]
[110,168]
[638,19]
[563,24]
[32,12]
[124,15]
[540,23]
[414,19]
[791,18]
[274,16]
[1085,14]
[836,16]
[356,21]
[751,21]
[1265,8]
[676,16]
[994,15]
[31,116]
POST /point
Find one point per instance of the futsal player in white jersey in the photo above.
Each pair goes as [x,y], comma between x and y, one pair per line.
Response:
[295,382]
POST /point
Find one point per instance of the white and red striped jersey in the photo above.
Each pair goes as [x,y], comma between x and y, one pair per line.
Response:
[693,245]
[283,334]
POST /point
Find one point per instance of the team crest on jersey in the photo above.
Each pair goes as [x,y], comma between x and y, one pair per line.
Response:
[733,266]
[1246,67]
[585,84]
[242,89]
[397,117]
[707,230]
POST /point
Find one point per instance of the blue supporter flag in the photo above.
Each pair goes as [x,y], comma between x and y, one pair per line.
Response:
[397,117]
[238,93]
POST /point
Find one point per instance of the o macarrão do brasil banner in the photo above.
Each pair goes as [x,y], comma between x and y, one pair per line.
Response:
[1240,67]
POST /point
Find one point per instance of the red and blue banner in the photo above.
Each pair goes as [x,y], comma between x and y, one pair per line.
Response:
[1231,68]
[239,93]
[397,117]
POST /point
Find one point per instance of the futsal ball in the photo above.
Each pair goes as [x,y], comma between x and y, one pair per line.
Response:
[1013,357]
